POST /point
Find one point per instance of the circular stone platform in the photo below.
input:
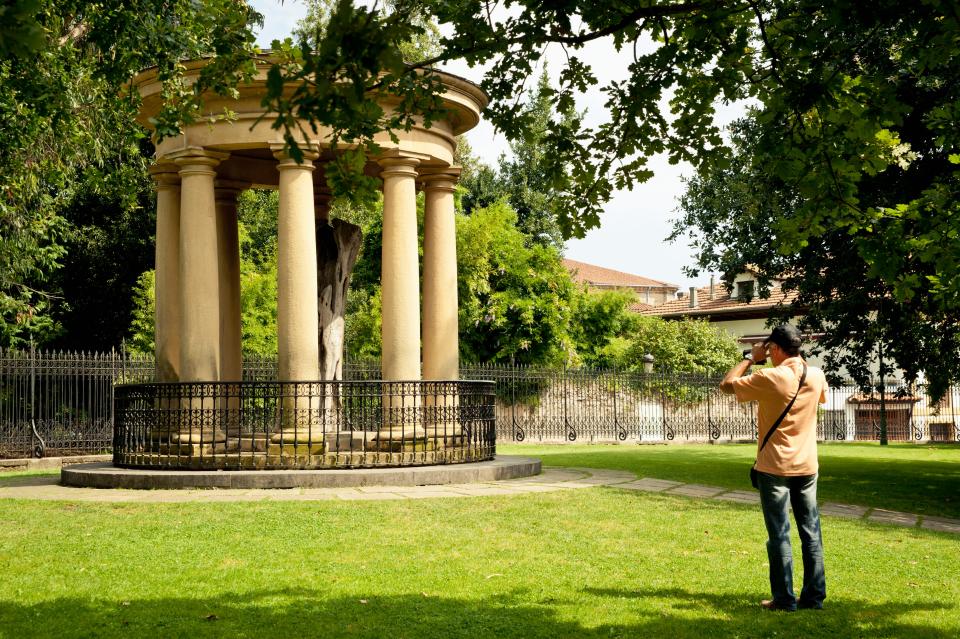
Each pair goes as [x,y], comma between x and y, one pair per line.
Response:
[105,475]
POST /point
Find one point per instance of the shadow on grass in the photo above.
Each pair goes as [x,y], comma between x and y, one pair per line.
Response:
[46,479]
[673,613]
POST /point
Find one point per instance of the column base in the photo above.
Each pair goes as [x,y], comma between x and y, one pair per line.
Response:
[198,436]
[440,431]
[299,435]
[407,439]
[183,449]
[296,450]
[248,443]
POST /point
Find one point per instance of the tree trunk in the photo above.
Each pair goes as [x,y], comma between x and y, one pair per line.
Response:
[338,244]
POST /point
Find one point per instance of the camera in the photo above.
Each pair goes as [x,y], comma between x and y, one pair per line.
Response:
[748,353]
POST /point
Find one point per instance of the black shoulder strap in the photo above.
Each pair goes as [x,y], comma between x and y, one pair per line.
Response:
[786,410]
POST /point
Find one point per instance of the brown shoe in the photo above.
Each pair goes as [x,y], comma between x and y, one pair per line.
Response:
[770,604]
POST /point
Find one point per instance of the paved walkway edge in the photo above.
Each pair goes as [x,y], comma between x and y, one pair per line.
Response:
[47,463]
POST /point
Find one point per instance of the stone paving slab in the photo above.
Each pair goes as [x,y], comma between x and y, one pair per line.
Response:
[696,490]
[941,524]
[605,475]
[535,488]
[554,474]
[847,511]
[363,496]
[317,494]
[650,485]
[740,496]
[894,517]
[430,494]
[484,491]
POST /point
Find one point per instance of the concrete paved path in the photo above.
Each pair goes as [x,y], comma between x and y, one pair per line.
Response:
[47,487]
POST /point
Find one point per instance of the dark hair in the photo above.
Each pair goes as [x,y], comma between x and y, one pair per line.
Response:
[788,338]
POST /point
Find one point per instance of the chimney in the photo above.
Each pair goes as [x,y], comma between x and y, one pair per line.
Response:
[693,297]
[711,287]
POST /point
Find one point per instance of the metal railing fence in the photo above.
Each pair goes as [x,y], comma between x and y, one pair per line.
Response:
[62,403]
[303,425]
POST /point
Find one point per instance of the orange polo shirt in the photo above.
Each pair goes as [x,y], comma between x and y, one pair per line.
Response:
[792,449]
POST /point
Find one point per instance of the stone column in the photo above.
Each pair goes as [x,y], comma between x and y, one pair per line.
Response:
[440,321]
[199,292]
[297,310]
[228,247]
[199,267]
[400,288]
[167,279]
[399,274]
[440,343]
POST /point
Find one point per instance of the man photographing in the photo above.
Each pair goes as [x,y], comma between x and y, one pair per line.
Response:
[787,396]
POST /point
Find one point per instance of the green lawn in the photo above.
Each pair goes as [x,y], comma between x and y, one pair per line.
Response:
[598,562]
[908,477]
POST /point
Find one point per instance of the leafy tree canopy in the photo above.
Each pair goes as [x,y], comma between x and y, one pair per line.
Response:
[856,104]
[820,70]
[520,178]
[602,325]
[68,134]
[515,301]
[688,346]
[844,286]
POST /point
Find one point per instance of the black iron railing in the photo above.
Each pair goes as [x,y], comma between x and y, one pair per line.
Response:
[62,403]
[55,403]
[303,425]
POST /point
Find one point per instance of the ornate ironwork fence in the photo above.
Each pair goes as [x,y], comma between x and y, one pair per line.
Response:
[270,425]
[61,403]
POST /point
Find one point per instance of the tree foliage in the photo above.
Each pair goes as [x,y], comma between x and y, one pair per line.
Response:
[602,325]
[857,102]
[688,346]
[525,174]
[856,106]
[857,305]
[515,300]
[68,134]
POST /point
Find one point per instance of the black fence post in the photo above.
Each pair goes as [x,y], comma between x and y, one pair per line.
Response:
[39,446]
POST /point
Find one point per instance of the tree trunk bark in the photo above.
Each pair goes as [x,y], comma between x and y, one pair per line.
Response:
[338,244]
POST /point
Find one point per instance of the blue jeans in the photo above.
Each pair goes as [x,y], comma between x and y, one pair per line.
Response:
[800,492]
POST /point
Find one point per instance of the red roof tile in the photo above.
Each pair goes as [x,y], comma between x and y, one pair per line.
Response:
[639,307]
[600,276]
[721,304]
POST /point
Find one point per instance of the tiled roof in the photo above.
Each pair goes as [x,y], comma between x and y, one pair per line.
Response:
[599,276]
[639,307]
[721,304]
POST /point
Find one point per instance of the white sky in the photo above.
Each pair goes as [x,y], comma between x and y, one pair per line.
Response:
[635,223]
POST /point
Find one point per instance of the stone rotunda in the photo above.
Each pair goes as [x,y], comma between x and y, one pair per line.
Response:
[200,413]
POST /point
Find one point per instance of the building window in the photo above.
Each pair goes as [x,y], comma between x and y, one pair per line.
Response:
[745,291]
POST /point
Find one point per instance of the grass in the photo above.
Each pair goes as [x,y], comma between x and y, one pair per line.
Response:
[596,563]
[907,477]
[13,474]
[590,563]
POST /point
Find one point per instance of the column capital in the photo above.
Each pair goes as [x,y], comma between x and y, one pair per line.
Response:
[197,160]
[398,167]
[440,179]
[165,175]
[285,161]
